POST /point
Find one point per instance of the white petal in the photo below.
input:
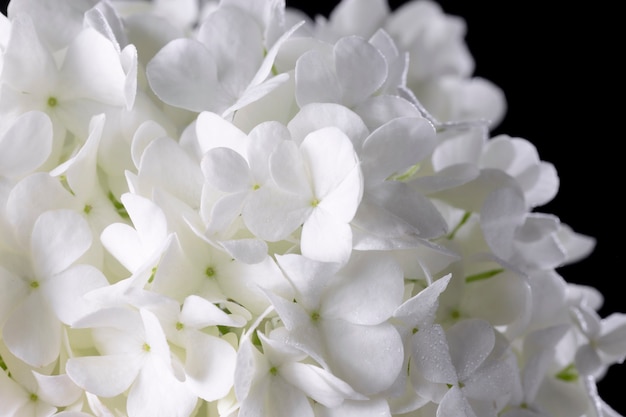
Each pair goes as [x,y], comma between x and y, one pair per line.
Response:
[395,147]
[213,131]
[225,211]
[122,241]
[370,291]
[12,395]
[309,277]
[249,251]
[368,408]
[399,203]
[317,383]
[368,358]
[249,362]
[470,341]
[38,192]
[198,312]
[209,366]
[288,170]
[499,299]
[420,309]
[167,165]
[104,376]
[502,213]
[26,145]
[92,56]
[226,170]
[343,201]
[184,74]
[275,398]
[546,187]
[66,291]
[316,80]
[613,339]
[455,404]
[430,356]
[361,69]
[13,289]
[57,23]
[28,65]
[328,168]
[378,110]
[576,245]
[256,93]
[315,116]
[272,215]
[361,17]
[58,390]
[59,238]
[326,238]
[229,35]
[33,332]
[263,140]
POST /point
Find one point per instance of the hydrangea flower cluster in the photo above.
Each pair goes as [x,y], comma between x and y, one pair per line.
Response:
[233,210]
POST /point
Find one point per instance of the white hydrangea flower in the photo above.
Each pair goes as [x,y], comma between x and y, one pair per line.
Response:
[229,209]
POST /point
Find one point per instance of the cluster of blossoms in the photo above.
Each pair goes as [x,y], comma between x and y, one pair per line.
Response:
[233,210]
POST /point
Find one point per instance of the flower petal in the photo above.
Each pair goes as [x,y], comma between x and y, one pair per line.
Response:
[395,147]
[26,145]
[470,341]
[33,332]
[326,238]
[226,170]
[184,74]
[369,358]
[66,290]
[209,365]
[318,384]
[371,289]
[361,69]
[59,238]
[104,376]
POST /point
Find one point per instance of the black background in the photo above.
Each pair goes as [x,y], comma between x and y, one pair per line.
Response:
[558,67]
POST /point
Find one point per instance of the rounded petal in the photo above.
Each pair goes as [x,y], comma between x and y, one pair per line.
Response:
[430,356]
[470,342]
[65,292]
[395,147]
[33,332]
[317,383]
[226,170]
[156,391]
[315,116]
[361,69]
[184,74]
[105,376]
[369,358]
[358,408]
[59,238]
[370,291]
[26,145]
[328,168]
[326,238]
[316,80]
[272,215]
[91,57]
[27,64]
[455,404]
[209,366]
[503,212]
[58,390]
